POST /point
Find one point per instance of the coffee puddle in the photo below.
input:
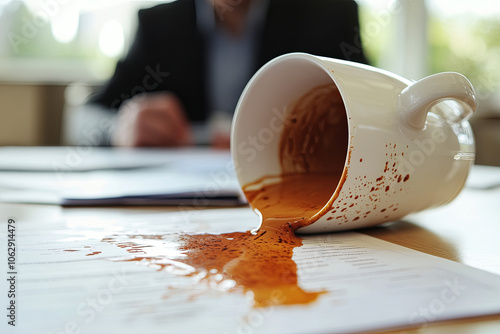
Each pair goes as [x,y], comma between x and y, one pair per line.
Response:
[260,261]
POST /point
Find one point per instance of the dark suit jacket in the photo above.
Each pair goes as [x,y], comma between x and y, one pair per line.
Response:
[167,54]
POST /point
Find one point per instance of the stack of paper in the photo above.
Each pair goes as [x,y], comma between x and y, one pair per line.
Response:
[196,177]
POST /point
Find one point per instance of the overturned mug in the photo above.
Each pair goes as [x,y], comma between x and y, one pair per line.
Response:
[397,146]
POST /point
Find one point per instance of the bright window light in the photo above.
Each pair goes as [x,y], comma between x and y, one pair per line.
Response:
[111,39]
[64,25]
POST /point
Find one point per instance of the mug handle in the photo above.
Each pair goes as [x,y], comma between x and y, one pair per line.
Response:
[415,100]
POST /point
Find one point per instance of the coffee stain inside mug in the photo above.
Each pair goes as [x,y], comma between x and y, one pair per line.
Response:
[313,150]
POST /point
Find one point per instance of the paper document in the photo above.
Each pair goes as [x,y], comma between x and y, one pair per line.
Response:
[71,278]
[189,177]
[483,178]
[75,159]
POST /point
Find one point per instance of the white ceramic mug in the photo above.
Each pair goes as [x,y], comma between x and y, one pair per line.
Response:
[410,147]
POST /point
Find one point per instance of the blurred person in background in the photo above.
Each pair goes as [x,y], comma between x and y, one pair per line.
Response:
[191,59]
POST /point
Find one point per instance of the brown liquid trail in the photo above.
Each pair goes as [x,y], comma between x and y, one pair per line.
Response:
[313,151]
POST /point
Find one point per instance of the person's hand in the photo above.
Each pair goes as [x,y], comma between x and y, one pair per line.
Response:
[221,141]
[152,120]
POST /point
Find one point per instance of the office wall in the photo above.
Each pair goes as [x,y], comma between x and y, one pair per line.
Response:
[30,114]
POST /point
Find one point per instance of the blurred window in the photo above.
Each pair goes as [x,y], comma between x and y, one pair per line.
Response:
[80,40]
[464,36]
[415,38]
[64,41]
